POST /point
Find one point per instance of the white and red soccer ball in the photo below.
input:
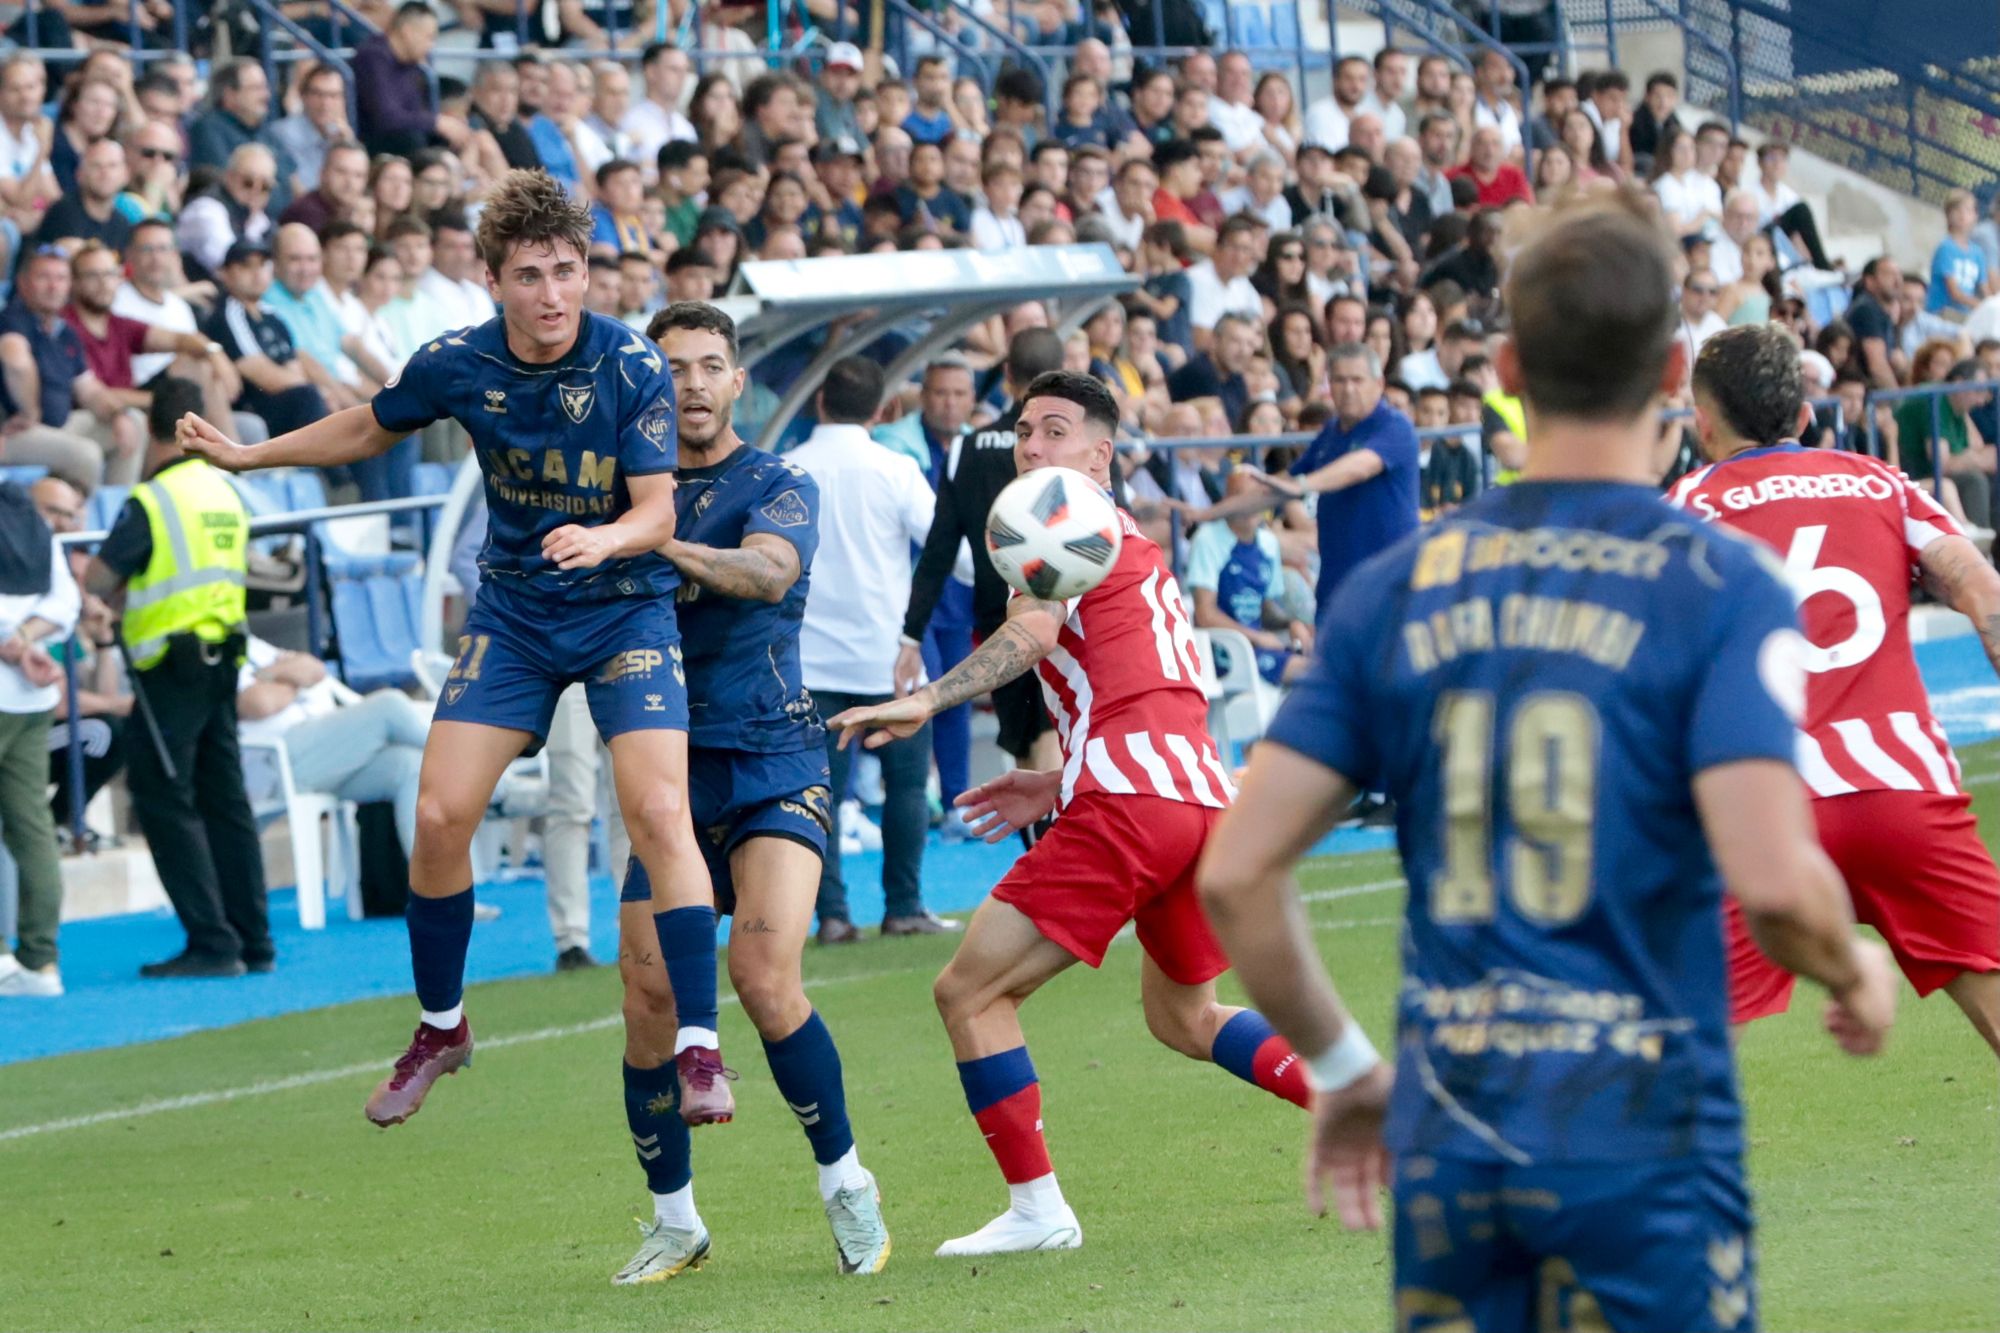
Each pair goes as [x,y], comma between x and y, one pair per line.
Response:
[1053,533]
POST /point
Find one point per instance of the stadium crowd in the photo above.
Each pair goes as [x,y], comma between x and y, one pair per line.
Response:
[1328,265]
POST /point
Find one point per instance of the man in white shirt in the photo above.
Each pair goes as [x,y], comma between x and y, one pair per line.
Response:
[1230,110]
[236,211]
[453,280]
[1326,119]
[1262,193]
[39,603]
[364,751]
[610,102]
[656,119]
[1220,285]
[1392,77]
[874,504]
[147,295]
[1699,322]
[1493,102]
[1129,211]
[1739,224]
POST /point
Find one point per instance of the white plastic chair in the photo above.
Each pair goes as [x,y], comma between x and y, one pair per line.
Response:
[1243,701]
[318,868]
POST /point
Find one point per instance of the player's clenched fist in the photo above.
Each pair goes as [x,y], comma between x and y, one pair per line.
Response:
[573,547]
[195,435]
[1859,1017]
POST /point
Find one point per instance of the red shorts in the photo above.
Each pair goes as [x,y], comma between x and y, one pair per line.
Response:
[1110,860]
[1917,872]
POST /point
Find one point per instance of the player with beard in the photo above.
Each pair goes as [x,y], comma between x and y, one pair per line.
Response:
[757,787]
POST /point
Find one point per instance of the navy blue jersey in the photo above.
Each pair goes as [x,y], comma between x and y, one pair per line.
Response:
[745,691]
[1536,680]
[556,443]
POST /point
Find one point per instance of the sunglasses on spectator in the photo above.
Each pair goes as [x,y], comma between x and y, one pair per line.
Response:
[259,186]
[158,154]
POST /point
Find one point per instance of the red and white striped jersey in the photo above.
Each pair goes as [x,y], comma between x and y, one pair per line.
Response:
[1849,529]
[1124,685]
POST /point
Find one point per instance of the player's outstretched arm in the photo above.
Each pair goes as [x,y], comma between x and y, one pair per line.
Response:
[646,526]
[763,569]
[1026,638]
[344,437]
[1965,580]
[1760,828]
[1288,803]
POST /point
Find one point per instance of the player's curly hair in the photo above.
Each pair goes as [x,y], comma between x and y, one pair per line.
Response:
[696,316]
[529,207]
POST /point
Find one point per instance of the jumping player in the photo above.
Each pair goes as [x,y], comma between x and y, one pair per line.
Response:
[1139,789]
[757,786]
[1886,792]
[572,418]
[1576,698]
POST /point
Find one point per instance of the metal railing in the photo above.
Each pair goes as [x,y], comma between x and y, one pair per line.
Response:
[1936,393]
[300,521]
[1409,16]
[136,35]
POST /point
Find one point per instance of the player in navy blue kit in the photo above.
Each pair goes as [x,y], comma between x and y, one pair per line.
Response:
[1583,704]
[572,418]
[757,785]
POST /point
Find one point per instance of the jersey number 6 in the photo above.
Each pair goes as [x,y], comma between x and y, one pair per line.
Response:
[1809,578]
[1550,786]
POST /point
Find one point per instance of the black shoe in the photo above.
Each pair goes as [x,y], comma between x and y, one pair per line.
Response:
[258,966]
[575,959]
[186,964]
[835,931]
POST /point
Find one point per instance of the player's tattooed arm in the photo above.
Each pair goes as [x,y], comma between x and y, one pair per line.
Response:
[1958,575]
[763,569]
[1025,639]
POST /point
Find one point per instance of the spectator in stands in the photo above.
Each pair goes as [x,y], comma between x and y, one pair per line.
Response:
[343,184]
[1653,119]
[1231,107]
[1236,574]
[1970,460]
[1179,166]
[39,603]
[366,751]
[103,703]
[301,301]
[154,185]
[240,98]
[320,123]
[923,198]
[620,227]
[1748,299]
[1691,200]
[1222,371]
[1493,105]
[874,503]
[840,79]
[1739,224]
[996,223]
[236,209]
[1607,104]
[1384,100]
[88,113]
[57,413]
[500,139]
[1220,284]
[89,212]
[690,276]
[26,183]
[112,342]
[1437,139]
[149,295]
[1559,98]
[1960,278]
[656,119]
[1699,322]
[1327,119]
[161,98]
[1779,205]
[1499,182]
[1873,316]
[1916,324]
[1986,236]
[393,105]
[456,282]
[276,386]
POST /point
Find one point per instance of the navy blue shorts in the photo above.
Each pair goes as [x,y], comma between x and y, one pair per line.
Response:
[519,653]
[736,795]
[1661,1245]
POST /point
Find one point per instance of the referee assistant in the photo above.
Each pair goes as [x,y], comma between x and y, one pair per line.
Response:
[177,550]
[978,468]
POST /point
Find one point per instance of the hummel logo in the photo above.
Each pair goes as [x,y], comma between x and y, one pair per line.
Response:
[496,401]
[648,1147]
[807,1114]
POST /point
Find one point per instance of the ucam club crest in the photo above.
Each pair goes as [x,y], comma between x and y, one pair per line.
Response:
[577,400]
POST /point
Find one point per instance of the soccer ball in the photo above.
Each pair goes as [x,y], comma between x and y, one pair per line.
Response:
[1053,533]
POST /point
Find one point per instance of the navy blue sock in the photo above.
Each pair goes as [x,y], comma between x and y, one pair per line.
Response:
[806,1068]
[440,929]
[659,1135]
[687,943]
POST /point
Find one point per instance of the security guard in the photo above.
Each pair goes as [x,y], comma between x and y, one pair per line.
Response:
[178,551]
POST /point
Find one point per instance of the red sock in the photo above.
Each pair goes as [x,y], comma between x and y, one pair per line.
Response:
[1013,1130]
[1280,1072]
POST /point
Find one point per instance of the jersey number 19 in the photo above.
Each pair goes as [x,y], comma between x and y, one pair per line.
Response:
[1551,795]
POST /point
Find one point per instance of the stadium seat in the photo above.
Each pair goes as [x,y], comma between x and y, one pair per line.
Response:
[375,620]
[433,478]
[1241,702]
[101,510]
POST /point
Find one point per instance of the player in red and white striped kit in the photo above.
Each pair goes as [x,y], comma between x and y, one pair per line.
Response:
[1887,797]
[1140,787]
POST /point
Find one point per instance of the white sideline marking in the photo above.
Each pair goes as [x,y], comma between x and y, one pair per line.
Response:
[314,1076]
[310,1078]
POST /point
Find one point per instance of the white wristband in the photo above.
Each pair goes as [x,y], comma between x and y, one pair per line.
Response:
[1343,1062]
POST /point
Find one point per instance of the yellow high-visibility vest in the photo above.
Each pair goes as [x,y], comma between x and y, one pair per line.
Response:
[194,582]
[1510,411]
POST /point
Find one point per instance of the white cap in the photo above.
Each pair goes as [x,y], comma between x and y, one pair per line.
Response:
[1816,367]
[843,55]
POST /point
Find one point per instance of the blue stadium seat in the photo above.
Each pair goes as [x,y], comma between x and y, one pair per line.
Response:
[433,478]
[101,510]
[303,489]
[23,474]
[374,619]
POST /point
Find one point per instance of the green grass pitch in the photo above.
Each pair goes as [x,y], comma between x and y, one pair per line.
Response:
[506,1204]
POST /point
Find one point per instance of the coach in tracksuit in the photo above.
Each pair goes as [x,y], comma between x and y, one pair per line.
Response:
[979,468]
